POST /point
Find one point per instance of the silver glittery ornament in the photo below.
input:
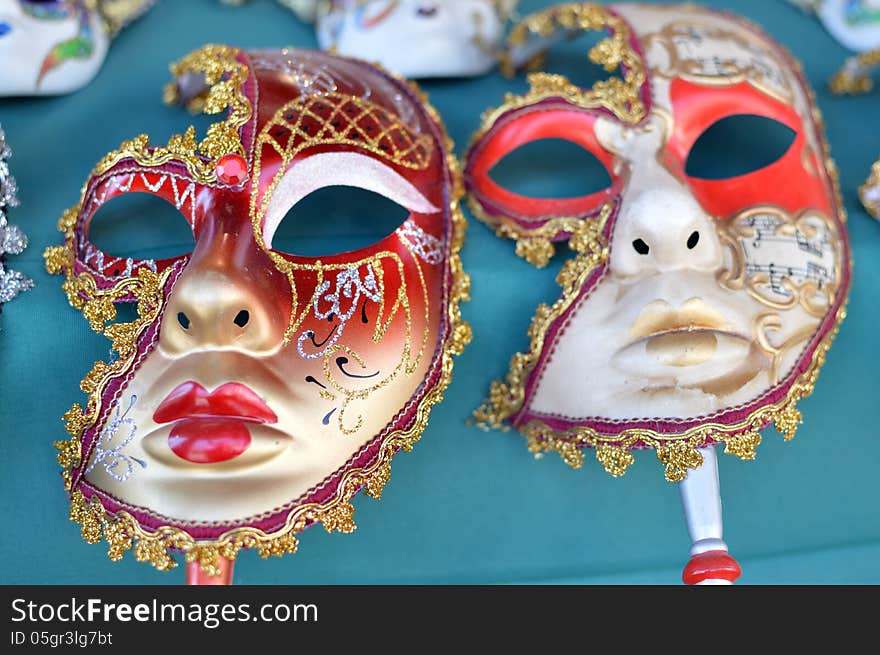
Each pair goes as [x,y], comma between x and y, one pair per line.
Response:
[12,239]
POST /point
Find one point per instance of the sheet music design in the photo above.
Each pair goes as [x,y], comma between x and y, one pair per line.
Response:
[785,257]
[710,55]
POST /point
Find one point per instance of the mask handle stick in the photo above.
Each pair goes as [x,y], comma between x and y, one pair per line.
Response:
[710,562]
[196,576]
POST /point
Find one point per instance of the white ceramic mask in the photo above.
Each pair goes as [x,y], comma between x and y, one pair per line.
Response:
[417,38]
[854,23]
[51,47]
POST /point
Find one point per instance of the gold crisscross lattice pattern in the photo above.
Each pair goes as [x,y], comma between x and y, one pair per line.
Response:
[343,119]
[336,119]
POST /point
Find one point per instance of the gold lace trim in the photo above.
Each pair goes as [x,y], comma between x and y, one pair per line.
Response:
[507,398]
[225,77]
[620,96]
[122,531]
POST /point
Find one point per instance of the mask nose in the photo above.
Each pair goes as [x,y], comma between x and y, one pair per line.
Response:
[223,302]
[664,230]
[208,309]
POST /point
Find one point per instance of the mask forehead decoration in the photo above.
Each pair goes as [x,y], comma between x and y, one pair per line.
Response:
[855,24]
[50,47]
[694,311]
[12,240]
[258,390]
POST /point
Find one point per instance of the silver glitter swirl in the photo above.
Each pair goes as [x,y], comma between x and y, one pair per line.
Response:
[12,239]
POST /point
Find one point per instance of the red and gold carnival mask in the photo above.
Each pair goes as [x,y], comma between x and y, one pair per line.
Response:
[257,391]
[695,311]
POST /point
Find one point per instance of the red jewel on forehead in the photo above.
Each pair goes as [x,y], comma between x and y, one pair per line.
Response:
[232,169]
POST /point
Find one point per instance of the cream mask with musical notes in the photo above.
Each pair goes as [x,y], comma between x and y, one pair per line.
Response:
[700,302]
[710,270]
[259,389]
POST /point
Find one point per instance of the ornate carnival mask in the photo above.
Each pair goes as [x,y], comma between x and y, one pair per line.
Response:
[694,312]
[50,47]
[853,23]
[417,38]
[258,390]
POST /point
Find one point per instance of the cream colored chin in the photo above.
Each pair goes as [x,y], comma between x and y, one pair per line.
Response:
[682,348]
[675,345]
[266,444]
[283,461]
[276,469]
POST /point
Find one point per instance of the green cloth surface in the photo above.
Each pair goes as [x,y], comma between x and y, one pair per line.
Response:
[465,506]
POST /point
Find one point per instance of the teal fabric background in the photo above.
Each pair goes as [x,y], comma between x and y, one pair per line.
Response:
[465,506]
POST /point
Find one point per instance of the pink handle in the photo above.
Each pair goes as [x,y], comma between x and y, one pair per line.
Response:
[196,576]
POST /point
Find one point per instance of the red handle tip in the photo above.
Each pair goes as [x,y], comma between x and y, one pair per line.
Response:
[711,565]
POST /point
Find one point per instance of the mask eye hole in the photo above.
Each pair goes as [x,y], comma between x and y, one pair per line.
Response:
[337,219]
[551,168]
[140,226]
[738,145]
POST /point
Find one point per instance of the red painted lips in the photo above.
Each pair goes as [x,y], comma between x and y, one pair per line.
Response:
[211,426]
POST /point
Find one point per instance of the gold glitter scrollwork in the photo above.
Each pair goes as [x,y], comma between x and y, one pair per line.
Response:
[356,122]
[535,250]
[376,483]
[224,77]
[339,518]
[620,96]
